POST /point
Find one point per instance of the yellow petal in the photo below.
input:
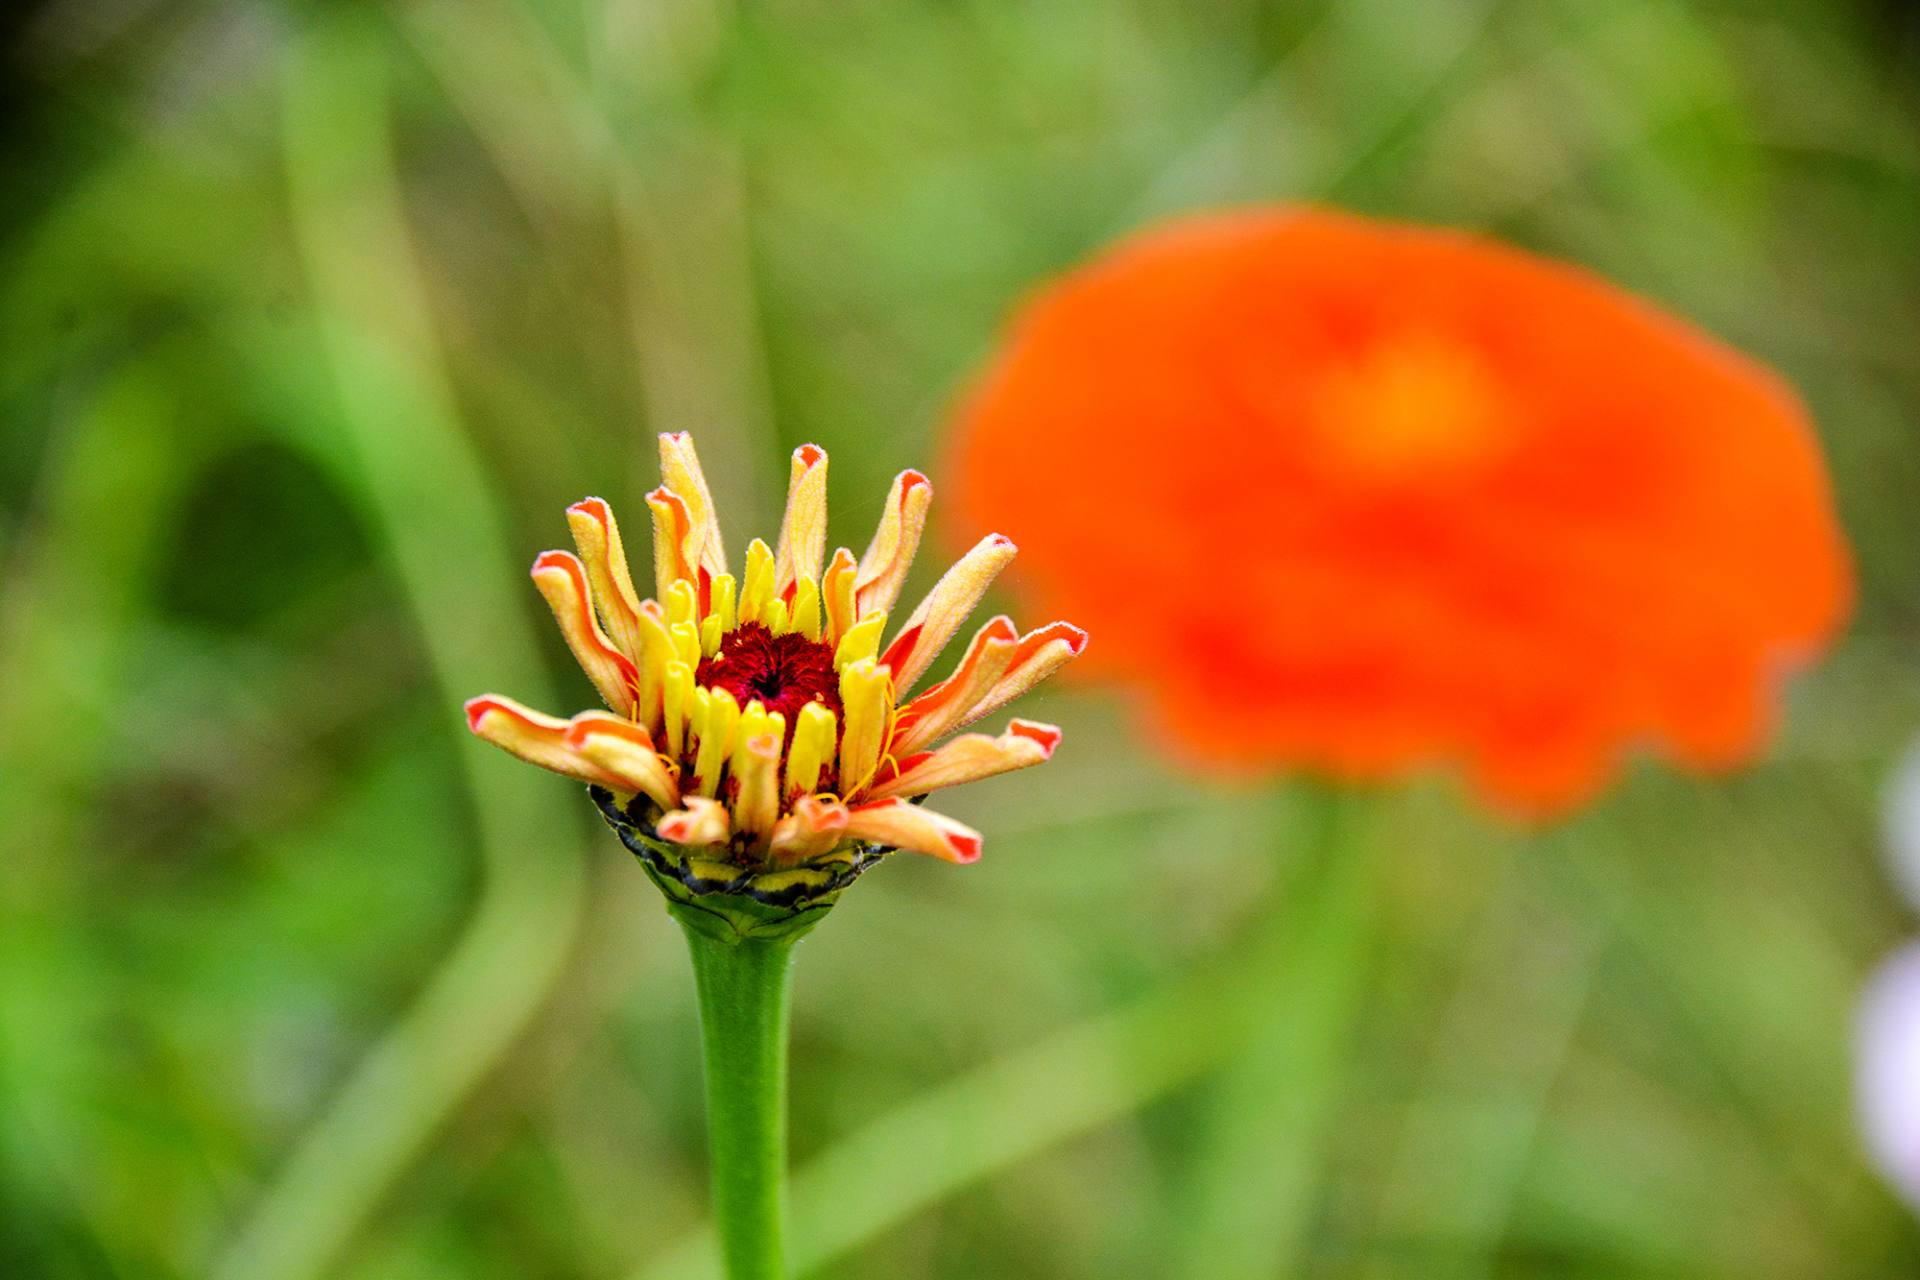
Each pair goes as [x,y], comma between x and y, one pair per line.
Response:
[562,579]
[816,826]
[596,535]
[814,738]
[699,822]
[866,701]
[756,589]
[900,825]
[968,758]
[676,696]
[680,472]
[806,609]
[756,767]
[861,641]
[836,596]
[803,533]
[1039,654]
[883,570]
[534,737]
[946,705]
[716,715]
[926,632]
[625,751]
[671,536]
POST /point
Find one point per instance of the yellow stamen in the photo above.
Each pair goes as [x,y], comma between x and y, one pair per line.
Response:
[756,591]
[813,743]
[680,602]
[686,643]
[806,609]
[722,604]
[717,715]
[676,689]
[866,694]
[861,641]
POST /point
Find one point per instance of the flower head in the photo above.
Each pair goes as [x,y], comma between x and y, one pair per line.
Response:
[1405,496]
[758,725]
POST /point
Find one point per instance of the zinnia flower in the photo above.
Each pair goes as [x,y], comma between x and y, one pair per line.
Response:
[758,722]
[1361,496]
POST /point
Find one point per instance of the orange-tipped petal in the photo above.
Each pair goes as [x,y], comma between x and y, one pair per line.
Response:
[1039,654]
[816,826]
[883,570]
[699,822]
[680,472]
[672,534]
[596,535]
[562,579]
[901,825]
[756,768]
[927,631]
[802,549]
[968,758]
[946,705]
[837,596]
[534,737]
[626,751]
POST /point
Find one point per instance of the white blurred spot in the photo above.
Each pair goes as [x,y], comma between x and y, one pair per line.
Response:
[1903,825]
[1888,1082]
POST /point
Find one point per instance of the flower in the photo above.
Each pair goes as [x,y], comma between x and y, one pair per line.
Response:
[1406,496]
[1887,1082]
[757,721]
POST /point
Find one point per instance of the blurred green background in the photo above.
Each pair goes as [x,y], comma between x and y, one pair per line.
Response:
[314,317]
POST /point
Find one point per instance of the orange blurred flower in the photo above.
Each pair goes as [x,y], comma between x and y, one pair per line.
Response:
[1361,496]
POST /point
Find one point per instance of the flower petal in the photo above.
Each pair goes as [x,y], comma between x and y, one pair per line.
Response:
[940,709]
[866,701]
[837,597]
[883,570]
[802,548]
[1038,654]
[901,825]
[534,737]
[597,537]
[927,631]
[701,821]
[626,751]
[562,579]
[1887,1094]
[816,825]
[968,758]
[680,472]
[756,770]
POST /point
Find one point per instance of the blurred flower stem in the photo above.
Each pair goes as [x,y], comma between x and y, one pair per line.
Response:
[1090,1074]
[400,443]
[745,987]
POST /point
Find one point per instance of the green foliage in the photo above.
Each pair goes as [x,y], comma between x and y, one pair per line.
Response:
[314,317]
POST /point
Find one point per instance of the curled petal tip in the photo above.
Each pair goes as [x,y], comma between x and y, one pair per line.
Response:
[1047,736]
[477,709]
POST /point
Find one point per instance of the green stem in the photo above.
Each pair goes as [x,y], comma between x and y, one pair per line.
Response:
[745,985]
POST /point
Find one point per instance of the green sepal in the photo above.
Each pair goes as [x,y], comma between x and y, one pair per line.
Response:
[725,900]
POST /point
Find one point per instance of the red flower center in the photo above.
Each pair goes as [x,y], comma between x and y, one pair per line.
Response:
[782,673]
